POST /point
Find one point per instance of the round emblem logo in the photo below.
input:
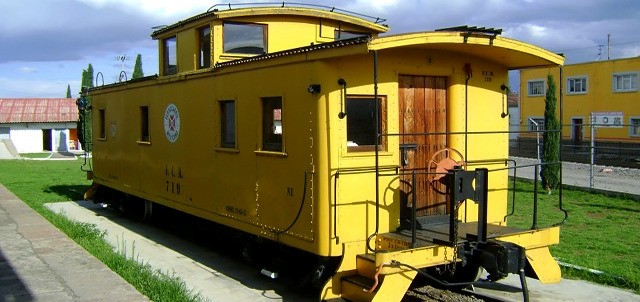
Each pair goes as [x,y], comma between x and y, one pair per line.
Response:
[172,123]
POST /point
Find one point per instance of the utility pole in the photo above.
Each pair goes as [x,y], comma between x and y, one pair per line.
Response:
[608,46]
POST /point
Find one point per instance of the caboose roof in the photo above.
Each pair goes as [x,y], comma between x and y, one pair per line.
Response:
[315,12]
[510,53]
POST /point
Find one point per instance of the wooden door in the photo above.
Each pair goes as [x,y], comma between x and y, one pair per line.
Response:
[423,112]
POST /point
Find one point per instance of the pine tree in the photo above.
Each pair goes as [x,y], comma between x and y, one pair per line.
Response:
[68,91]
[551,140]
[137,68]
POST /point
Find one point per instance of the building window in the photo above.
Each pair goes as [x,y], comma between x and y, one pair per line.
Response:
[204,39]
[535,88]
[102,129]
[243,38]
[144,124]
[533,121]
[361,124]
[623,82]
[272,127]
[228,124]
[634,126]
[577,85]
[170,56]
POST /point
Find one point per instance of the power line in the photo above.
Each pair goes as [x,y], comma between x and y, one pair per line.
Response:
[594,46]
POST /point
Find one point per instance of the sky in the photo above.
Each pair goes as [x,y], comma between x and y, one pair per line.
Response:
[45,44]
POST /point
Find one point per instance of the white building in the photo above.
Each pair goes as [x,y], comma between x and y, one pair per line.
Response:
[36,125]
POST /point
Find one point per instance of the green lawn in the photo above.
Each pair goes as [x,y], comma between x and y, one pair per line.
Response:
[38,182]
[601,232]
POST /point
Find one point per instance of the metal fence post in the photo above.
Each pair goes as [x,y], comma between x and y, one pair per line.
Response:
[537,138]
[592,153]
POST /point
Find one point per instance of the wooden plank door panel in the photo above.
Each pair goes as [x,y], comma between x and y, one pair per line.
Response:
[422,107]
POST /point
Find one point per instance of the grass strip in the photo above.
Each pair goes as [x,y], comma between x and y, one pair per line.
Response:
[40,182]
[600,233]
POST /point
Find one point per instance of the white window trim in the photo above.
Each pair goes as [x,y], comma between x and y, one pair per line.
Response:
[630,125]
[544,87]
[586,84]
[613,81]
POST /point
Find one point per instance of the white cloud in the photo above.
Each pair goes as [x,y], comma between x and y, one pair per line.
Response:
[28,69]
[164,8]
[34,88]
[378,5]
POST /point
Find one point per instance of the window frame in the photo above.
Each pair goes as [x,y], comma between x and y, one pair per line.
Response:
[382,145]
[223,125]
[530,82]
[267,141]
[167,68]
[632,126]
[571,86]
[204,48]
[634,79]
[265,40]
[338,34]
[102,124]
[145,133]
[531,126]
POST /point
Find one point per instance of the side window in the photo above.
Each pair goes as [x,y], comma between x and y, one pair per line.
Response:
[244,38]
[272,128]
[228,124]
[343,35]
[535,88]
[144,124]
[634,126]
[102,130]
[204,40]
[627,81]
[577,85]
[170,56]
[361,123]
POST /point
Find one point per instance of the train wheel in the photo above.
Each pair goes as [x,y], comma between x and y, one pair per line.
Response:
[148,211]
[137,208]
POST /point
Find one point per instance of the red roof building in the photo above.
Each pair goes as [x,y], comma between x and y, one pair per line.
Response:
[36,125]
[38,110]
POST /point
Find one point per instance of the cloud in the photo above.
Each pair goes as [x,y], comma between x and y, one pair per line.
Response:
[34,88]
[28,69]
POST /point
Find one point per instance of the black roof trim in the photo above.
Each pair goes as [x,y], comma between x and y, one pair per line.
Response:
[181,23]
[288,52]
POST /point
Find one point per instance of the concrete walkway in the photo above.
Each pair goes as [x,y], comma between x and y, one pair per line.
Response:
[610,180]
[40,263]
[214,275]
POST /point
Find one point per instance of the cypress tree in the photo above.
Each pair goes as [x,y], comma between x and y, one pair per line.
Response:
[551,140]
[137,68]
[68,91]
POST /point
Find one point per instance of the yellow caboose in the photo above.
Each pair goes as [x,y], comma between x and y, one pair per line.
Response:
[379,155]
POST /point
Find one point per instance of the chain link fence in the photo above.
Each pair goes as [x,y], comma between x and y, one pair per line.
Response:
[601,156]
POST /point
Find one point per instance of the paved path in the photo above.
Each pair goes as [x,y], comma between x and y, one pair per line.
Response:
[40,263]
[612,180]
[213,274]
